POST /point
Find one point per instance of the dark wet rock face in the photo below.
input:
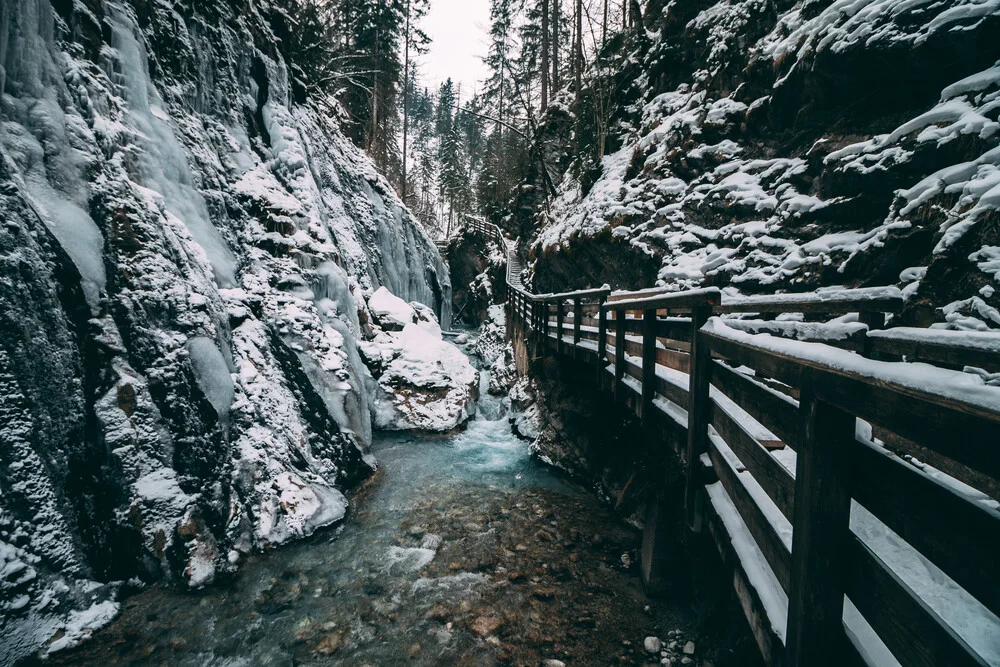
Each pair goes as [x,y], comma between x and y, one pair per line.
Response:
[185,253]
[797,145]
[477,267]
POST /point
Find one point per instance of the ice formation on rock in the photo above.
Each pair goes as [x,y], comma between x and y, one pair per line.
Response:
[184,256]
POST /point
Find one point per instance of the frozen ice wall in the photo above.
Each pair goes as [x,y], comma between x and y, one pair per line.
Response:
[183,257]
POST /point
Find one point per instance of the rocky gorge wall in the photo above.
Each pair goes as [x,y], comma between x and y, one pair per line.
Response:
[769,145]
[185,258]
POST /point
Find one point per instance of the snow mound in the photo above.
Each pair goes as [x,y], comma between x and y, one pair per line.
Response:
[391,312]
[423,382]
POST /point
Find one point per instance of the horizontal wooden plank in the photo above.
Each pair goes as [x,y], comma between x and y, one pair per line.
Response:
[770,544]
[959,536]
[675,328]
[778,483]
[910,629]
[775,412]
[580,294]
[672,391]
[633,367]
[928,419]
[633,325]
[621,295]
[678,300]
[845,336]
[679,361]
[962,473]
[882,300]
[955,349]
[771,647]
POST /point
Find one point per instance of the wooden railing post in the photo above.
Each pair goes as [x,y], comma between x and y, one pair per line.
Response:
[546,343]
[648,366]
[619,355]
[602,341]
[577,316]
[820,528]
[540,315]
[874,320]
[559,325]
[535,317]
[698,415]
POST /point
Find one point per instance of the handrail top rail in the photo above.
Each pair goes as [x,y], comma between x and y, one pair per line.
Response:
[877,299]
[985,341]
[707,296]
[937,385]
[579,294]
[621,295]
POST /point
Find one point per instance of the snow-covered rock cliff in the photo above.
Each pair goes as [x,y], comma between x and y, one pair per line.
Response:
[768,145]
[184,260]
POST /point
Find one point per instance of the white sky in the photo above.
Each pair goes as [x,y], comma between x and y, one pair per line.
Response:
[459,30]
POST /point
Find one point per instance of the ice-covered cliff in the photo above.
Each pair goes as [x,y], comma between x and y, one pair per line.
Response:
[184,260]
[767,145]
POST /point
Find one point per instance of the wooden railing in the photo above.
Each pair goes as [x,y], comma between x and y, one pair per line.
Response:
[796,437]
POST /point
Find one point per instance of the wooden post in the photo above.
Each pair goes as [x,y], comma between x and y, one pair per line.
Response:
[577,316]
[602,341]
[559,325]
[543,322]
[699,387]
[619,355]
[874,321]
[648,366]
[539,332]
[820,528]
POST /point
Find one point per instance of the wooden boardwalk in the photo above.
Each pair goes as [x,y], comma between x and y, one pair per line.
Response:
[809,447]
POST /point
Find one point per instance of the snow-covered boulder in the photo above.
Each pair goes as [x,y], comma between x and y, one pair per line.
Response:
[423,382]
[391,312]
[426,319]
[492,335]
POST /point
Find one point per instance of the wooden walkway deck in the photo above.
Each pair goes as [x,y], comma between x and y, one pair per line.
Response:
[810,446]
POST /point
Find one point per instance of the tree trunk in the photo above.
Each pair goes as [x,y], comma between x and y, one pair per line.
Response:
[578,55]
[604,26]
[374,125]
[635,15]
[406,99]
[545,55]
[555,47]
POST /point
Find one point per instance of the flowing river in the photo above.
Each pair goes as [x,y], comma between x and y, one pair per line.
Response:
[462,550]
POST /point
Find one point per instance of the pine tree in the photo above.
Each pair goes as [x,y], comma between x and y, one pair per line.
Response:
[415,42]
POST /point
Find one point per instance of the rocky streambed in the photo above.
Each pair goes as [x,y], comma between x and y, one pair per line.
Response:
[462,549]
